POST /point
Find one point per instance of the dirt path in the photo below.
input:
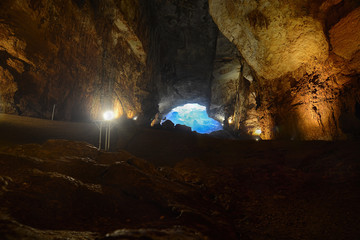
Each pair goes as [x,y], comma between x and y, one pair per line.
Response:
[20,130]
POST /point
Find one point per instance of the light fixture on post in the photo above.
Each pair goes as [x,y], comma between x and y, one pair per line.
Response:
[108,116]
[257,132]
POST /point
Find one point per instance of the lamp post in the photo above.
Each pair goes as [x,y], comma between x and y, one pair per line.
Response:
[108,116]
[100,128]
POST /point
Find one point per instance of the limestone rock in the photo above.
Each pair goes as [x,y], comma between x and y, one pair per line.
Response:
[11,230]
[269,68]
[83,56]
[186,40]
[296,87]
[345,35]
[179,233]
[217,190]
[107,191]
[225,80]
[274,37]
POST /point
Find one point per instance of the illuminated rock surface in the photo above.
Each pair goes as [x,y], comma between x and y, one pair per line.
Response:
[344,36]
[273,36]
[66,53]
[289,68]
[300,85]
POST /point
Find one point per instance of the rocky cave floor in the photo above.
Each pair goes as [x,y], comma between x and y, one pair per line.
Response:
[159,184]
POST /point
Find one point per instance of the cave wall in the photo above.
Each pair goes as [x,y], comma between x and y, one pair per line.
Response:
[82,55]
[185,35]
[289,68]
[304,61]
[225,78]
[233,102]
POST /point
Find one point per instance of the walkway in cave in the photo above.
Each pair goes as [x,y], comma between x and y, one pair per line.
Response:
[152,144]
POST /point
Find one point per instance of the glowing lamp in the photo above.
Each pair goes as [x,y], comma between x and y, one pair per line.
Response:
[108,115]
[257,132]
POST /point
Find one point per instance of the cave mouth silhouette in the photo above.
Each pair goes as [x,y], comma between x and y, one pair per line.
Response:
[195,116]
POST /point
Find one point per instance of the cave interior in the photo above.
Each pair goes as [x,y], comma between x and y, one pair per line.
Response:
[271,150]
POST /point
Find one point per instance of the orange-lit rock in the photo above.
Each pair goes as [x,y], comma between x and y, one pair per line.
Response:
[274,37]
[300,88]
[79,55]
[288,68]
[345,35]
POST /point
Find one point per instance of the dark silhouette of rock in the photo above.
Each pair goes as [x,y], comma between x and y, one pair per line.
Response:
[182,128]
[169,125]
[72,194]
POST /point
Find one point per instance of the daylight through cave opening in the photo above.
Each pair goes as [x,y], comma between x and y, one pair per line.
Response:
[195,116]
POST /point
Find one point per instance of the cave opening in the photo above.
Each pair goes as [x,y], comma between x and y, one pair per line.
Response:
[195,116]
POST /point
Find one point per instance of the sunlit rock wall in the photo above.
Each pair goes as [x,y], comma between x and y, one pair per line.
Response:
[304,56]
[83,56]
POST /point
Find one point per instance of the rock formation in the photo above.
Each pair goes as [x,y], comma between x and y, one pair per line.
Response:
[304,58]
[269,69]
[186,39]
[83,56]
[289,69]
[221,190]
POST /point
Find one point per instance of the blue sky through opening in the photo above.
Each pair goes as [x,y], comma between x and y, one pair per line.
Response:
[195,116]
